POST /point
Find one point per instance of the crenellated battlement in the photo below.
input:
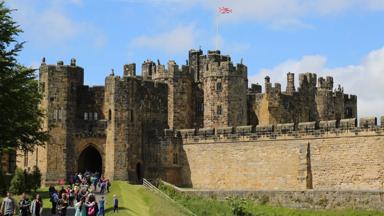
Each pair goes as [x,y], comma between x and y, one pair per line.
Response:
[307,80]
[224,68]
[173,71]
[333,128]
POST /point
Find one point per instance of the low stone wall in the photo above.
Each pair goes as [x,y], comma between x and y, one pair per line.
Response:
[308,199]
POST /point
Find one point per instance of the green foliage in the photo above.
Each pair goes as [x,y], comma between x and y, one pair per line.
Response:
[238,206]
[18,185]
[23,181]
[21,122]
[36,178]
[2,181]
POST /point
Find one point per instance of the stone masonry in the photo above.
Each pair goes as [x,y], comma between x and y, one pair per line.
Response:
[176,122]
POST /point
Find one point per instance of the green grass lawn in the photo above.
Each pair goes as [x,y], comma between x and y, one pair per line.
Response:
[208,206]
[136,200]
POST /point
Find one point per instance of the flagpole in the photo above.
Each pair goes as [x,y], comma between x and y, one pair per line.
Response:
[217,31]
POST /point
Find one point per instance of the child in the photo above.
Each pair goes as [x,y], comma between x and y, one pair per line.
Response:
[115,204]
[101,207]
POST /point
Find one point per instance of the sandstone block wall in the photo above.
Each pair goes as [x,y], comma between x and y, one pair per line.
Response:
[346,161]
[245,165]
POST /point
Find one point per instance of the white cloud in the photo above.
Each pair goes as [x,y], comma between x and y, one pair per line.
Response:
[174,41]
[363,80]
[50,25]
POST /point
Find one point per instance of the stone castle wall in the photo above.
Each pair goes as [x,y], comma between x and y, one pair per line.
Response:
[125,119]
[349,160]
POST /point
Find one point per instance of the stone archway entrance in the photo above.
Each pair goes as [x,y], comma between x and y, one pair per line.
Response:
[90,160]
[139,173]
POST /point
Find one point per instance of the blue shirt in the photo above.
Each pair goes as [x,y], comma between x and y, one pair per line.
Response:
[101,203]
[115,201]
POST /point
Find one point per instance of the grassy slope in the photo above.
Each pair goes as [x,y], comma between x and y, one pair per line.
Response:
[205,206]
[135,200]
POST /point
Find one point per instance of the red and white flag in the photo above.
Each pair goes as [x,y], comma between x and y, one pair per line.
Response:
[225,10]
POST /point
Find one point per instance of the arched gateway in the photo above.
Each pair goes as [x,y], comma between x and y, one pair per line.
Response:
[90,160]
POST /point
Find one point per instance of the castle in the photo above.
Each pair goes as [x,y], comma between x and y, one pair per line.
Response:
[199,125]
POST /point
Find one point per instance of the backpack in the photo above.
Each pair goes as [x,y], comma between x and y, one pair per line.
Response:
[91,210]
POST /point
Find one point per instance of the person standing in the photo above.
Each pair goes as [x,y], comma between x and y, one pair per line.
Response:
[63,205]
[92,205]
[24,205]
[81,209]
[37,206]
[101,207]
[54,201]
[115,204]
[8,207]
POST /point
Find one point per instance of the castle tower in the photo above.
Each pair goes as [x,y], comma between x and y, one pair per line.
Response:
[180,98]
[130,70]
[267,84]
[329,82]
[307,100]
[147,69]
[194,63]
[59,85]
[136,110]
[290,83]
[225,92]
[325,99]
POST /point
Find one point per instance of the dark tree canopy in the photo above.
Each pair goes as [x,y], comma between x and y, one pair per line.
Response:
[20,116]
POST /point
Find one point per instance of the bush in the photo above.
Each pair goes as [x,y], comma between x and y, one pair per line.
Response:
[238,206]
[18,185]
[36,178]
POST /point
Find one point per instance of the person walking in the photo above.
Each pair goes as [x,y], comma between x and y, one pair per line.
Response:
[101,207]
[24,205]
[115,204]
[37,206]
[8,207]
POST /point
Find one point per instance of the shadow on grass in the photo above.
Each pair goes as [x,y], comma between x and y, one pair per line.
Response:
[110,210]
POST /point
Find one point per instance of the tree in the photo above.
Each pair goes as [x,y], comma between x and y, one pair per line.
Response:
[18,185]
[21,119]
[2,181]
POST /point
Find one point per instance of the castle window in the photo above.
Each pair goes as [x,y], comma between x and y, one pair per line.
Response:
[109,115]
[59,114]
[85,116]
[90,116]
[55,114]
[25,159]
[219,87]
[200,108]
[131,115]
[219,110]
[175,158]
[11,161]
[348,112]
[95,117]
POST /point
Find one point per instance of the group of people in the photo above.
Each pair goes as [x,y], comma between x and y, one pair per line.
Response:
[80,194]
[26,208]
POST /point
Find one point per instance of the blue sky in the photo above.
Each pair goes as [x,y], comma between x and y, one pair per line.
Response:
[342,38]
